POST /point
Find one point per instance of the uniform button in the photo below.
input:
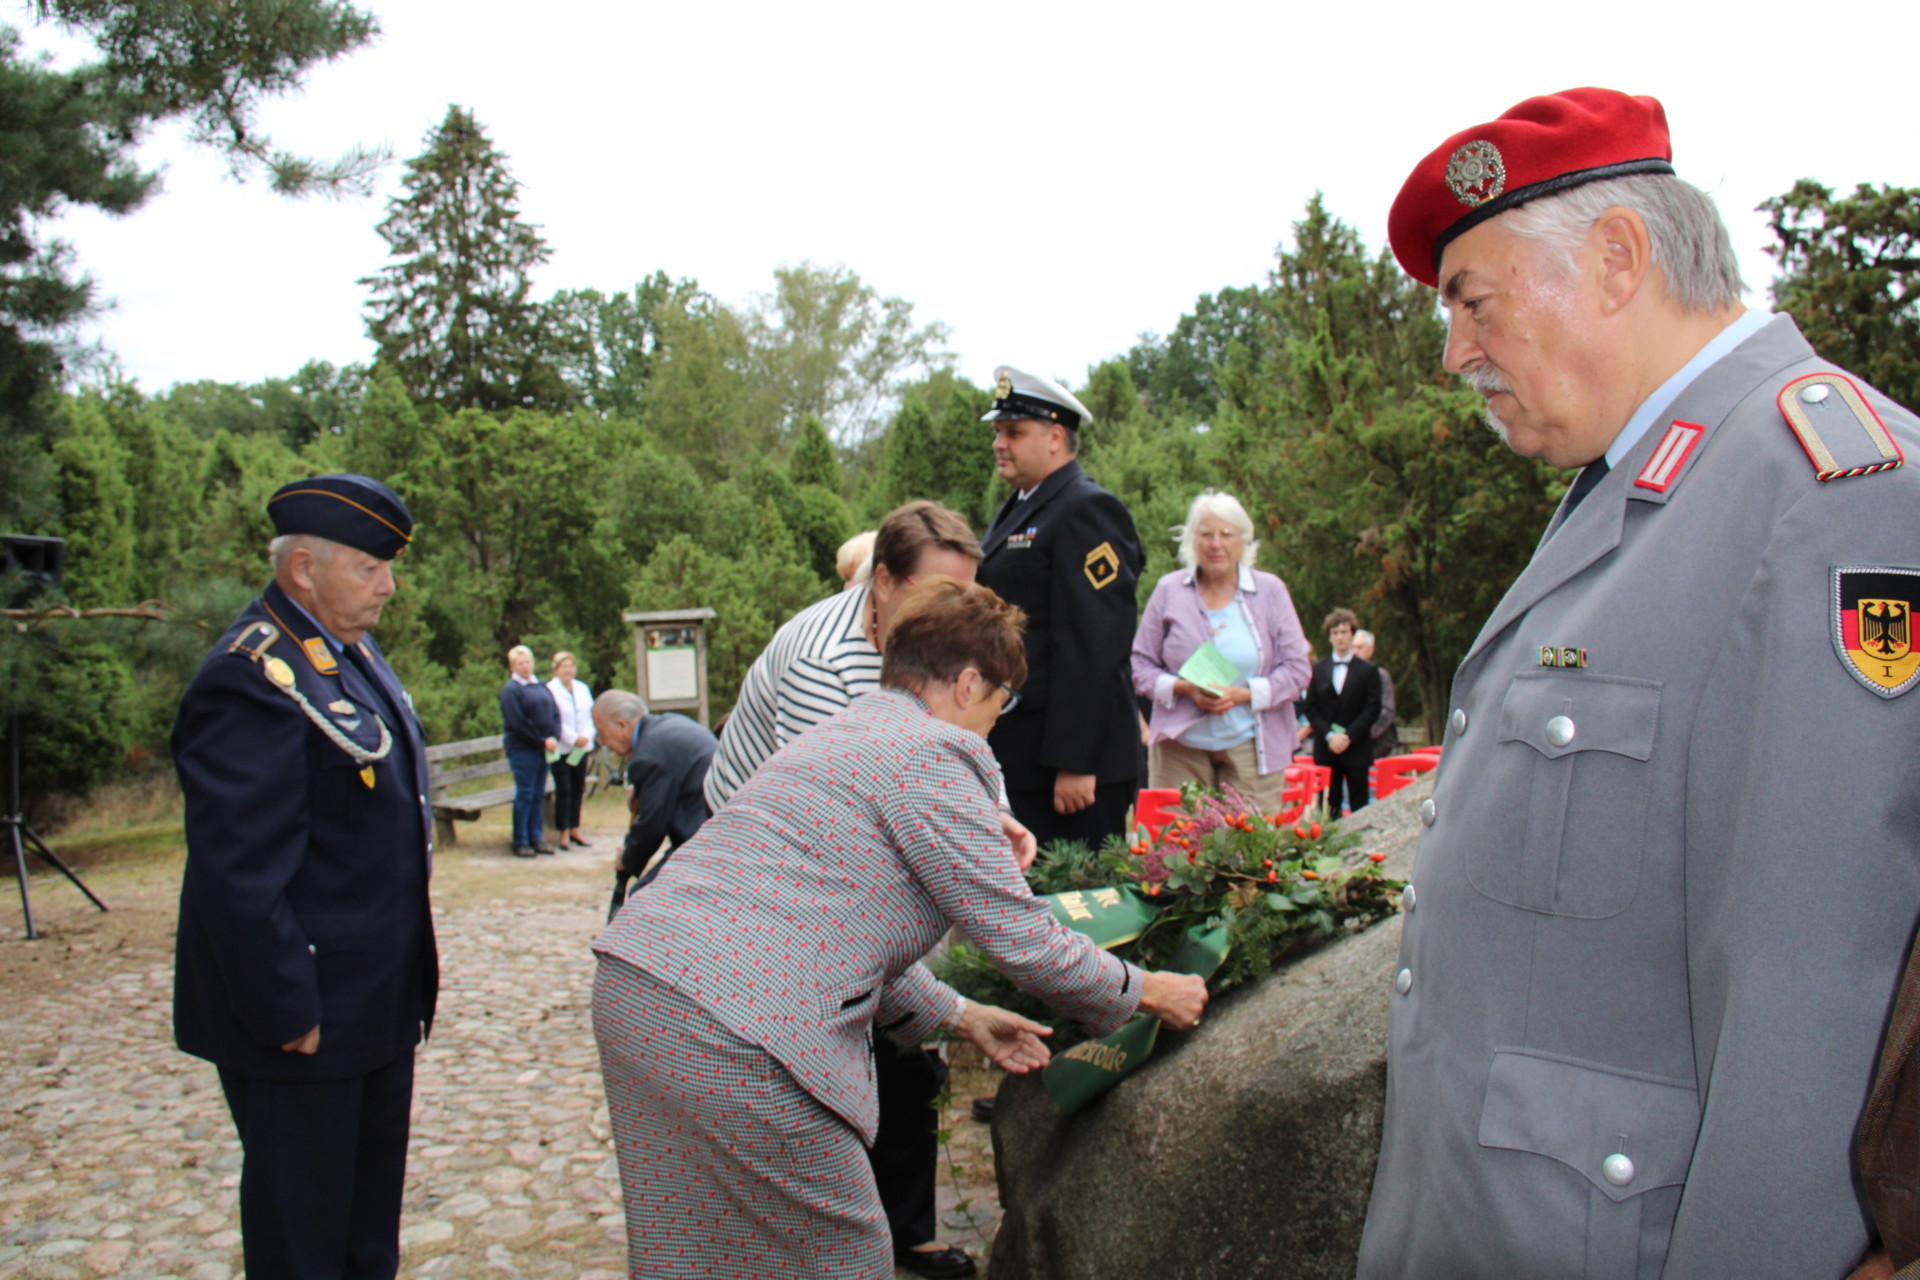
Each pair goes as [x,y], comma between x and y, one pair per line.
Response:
[311,951]
[1427,812]
[1459,721]
[1406,898]
[1403,983]
[1617,1169]
[1815,393]
[1559,731]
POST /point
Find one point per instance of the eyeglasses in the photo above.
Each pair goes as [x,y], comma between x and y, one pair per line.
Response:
[1013,698]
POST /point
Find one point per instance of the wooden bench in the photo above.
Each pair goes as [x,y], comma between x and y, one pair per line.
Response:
[444,774]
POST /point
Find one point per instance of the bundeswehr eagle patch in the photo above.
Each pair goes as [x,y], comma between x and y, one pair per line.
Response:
[1873,628]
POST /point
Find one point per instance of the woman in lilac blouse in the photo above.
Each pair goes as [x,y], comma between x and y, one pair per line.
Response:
[1242,736]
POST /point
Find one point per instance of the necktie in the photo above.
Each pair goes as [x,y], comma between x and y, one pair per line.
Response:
[1590,475]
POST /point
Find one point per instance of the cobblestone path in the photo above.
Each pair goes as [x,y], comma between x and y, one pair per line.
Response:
[117,1157]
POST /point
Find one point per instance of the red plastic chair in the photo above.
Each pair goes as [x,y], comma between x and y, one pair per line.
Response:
[1425,751]
[1150,809]
[1391,773]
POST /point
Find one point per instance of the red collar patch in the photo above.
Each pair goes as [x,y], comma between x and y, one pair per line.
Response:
[1675,447]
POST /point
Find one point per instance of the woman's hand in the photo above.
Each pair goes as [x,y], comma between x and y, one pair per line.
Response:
[1025,847]
[580,741]
[1010,1041]
[1174,998]
[551,744]
[1209,702]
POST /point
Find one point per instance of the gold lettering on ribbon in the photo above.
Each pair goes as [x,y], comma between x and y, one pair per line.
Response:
[1106,897]
[1076,906]
[1104,1056]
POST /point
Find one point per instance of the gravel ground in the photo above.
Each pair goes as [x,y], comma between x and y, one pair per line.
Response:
[117,1157]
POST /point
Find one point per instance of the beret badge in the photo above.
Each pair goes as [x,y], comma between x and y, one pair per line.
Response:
[1476,173]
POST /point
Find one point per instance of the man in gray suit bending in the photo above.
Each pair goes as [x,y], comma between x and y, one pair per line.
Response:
[1672,856]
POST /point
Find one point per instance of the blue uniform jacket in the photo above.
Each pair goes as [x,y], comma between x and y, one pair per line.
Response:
[305,895]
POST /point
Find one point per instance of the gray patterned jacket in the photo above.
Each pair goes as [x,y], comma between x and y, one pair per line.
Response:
[798,916]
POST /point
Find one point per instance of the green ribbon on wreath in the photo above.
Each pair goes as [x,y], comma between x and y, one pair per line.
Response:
[1113,917]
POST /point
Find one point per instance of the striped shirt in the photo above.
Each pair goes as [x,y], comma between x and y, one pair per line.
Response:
[815,665]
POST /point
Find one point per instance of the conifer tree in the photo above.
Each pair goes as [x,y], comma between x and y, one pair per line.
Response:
[452,313]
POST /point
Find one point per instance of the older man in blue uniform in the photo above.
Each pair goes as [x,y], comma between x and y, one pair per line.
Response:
[1065,551]
[305,967]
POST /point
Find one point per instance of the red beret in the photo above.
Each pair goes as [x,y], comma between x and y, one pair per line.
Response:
[1543,146]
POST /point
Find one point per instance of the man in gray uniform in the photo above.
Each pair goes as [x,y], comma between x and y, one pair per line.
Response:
[1672,858]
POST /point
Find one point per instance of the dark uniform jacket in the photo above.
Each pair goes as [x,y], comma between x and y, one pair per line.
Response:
[1069,556]
[304,901]
[1354,708]
[668,772]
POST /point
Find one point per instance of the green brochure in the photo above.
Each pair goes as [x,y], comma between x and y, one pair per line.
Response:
[1209,668]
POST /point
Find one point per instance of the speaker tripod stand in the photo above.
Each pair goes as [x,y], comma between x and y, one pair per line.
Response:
[21,837]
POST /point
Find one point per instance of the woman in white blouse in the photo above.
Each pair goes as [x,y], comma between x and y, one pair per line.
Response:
[575,701]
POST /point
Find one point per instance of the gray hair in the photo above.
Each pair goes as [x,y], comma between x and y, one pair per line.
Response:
[280,550]
[1690,242]
[620,706]
[1224,506]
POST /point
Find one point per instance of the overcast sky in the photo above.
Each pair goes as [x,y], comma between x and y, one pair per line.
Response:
[1048,179]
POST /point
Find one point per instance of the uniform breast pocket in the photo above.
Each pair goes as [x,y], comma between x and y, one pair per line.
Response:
[1587,742]
[1626,1139]
[338,798]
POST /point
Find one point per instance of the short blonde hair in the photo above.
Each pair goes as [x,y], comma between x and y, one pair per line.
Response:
[855,554]
[517,650]
[565,655]
[1225,506]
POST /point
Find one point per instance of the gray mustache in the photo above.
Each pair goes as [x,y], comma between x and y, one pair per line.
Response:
[1486,381]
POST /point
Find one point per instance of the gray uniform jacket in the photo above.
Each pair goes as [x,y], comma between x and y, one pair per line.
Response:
[1662,903]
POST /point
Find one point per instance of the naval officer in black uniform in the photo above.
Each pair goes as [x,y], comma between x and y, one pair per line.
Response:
[305,967]
[1065,551]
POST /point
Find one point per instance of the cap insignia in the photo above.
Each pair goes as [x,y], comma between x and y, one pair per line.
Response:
[279,672]
[1004,387]
[1476,173]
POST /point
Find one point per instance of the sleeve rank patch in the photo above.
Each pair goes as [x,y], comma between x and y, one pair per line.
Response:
[1103,565]
[1837,427]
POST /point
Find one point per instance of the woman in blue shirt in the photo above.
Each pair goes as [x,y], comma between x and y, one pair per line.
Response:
[1239,734]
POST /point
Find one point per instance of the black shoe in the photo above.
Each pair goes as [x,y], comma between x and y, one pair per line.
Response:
[522,851]
[544,850]
[936,1263]
[983,1110]
[578,843]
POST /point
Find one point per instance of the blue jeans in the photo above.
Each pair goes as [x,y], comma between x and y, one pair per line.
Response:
[529,766]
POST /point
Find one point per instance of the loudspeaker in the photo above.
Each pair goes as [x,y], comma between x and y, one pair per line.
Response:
[41,564]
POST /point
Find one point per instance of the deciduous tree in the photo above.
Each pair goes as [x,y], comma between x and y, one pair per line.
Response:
[1850,277]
